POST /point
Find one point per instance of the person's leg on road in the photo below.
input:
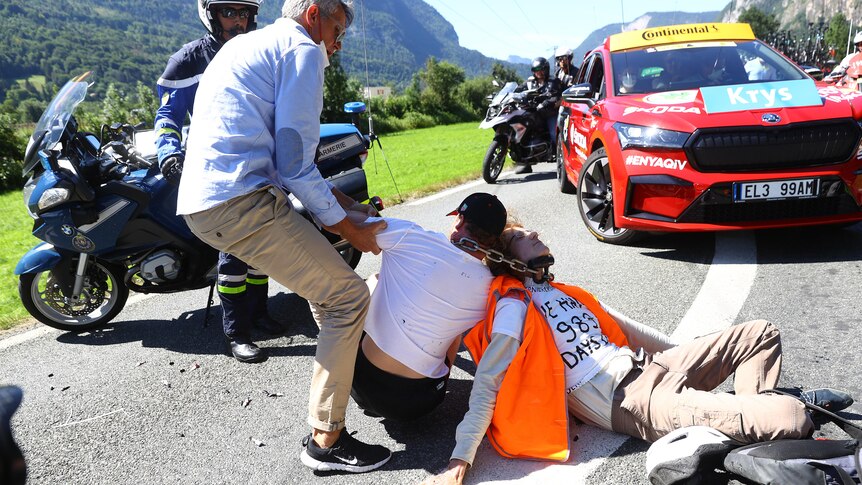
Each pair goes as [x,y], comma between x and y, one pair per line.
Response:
[281,243]
[236,318]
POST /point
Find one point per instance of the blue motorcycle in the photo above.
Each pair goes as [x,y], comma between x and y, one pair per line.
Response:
[108,218]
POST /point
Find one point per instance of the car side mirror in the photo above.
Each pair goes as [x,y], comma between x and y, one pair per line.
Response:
[580,93]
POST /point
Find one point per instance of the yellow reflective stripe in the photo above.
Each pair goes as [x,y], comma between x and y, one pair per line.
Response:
[257,281]
[231,290]
[672,34]
[167,131]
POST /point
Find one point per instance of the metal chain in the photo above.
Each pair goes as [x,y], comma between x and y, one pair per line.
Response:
[497,257]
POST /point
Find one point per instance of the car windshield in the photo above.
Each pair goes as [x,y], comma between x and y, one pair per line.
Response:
[698,64]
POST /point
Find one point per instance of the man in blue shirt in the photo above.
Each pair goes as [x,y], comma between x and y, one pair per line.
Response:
[241,289]
[255,135]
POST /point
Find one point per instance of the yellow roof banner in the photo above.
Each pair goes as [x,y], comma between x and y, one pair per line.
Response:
[672,34]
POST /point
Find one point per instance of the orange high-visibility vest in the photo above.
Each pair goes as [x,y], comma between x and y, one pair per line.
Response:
[530,417]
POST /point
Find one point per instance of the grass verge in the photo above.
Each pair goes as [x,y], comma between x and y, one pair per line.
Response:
[421,162]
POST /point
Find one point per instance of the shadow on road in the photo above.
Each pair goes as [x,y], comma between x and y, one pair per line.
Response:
[530,177]
[815,244]
[187,333]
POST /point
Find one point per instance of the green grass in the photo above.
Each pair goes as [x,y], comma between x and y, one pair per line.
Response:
[16,239]
[422,162]
[427,160]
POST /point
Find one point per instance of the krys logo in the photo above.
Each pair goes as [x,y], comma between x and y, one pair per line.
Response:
[744,97]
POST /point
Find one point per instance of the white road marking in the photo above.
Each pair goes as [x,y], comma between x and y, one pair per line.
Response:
[46,330]
[724,291]
[448,192]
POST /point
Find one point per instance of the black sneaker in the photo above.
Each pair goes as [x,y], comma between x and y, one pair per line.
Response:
[346,454]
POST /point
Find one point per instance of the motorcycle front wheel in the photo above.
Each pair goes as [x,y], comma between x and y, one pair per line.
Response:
[102,298]
[494,160]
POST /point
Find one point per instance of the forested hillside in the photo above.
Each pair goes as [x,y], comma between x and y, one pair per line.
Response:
[125,41]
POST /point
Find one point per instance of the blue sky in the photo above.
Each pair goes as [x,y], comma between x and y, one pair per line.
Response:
[529,28]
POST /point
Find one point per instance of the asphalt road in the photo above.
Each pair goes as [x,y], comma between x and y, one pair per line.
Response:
[155,399]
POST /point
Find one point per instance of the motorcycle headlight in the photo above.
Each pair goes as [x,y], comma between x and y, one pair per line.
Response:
[54,196]
[635,136]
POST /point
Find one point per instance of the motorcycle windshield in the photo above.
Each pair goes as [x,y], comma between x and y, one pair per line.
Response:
[53,122]
[508,88]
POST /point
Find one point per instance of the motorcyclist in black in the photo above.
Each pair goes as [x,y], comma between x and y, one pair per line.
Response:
[549,94]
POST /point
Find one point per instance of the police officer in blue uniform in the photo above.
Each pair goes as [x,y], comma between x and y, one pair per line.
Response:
[242,290]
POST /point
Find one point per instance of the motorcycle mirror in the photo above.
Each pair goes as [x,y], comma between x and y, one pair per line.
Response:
[140,126]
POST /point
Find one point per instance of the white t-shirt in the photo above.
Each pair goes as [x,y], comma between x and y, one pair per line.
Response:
[577,334]
[428,293]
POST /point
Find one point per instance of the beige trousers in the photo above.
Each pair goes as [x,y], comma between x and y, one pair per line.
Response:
[262,229]
[673,390]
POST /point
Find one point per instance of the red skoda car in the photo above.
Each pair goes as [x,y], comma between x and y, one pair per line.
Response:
[701,127]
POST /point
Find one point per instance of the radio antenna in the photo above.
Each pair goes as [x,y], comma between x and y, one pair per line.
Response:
[622,16]
[367,94]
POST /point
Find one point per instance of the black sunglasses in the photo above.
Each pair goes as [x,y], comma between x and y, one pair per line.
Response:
[230,12]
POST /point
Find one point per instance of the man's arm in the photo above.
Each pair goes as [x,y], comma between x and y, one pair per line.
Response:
[483,397]
[177,97]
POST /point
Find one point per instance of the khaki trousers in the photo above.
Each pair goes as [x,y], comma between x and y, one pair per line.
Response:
[262,229]
[672,391]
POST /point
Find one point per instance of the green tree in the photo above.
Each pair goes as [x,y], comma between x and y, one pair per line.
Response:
[115,107]
[11,153]
[440,80]
[474,94]
[762,24]
[338,89]
[145,112]
[505,74]
[837,34]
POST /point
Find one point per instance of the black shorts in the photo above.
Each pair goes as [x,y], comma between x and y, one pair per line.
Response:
[390,396]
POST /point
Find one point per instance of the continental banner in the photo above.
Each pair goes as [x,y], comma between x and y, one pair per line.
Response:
[673,34]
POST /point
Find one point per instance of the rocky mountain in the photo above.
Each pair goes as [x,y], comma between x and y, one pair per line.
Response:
[796,13]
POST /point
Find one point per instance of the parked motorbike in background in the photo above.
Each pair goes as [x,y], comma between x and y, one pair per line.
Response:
[518,131]
[108,218]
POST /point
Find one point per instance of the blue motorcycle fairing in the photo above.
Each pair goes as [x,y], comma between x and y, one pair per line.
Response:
[41,258]
[163,200]
[60,228]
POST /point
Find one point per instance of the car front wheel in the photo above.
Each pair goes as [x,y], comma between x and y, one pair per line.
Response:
[596,201]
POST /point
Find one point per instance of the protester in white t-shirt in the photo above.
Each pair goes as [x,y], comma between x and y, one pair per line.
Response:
[428,293]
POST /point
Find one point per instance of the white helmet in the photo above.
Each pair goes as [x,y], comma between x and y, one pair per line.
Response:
[858,38]
[563,52]
[213,26]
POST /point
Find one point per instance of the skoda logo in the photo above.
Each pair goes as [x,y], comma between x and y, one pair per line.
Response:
[771,118]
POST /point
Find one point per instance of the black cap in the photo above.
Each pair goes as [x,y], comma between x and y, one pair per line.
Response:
[483,210]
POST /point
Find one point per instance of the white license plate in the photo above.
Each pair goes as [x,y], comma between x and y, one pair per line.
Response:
[779,189]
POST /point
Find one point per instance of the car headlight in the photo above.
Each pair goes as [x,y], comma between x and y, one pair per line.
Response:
[635,136]
[54,196]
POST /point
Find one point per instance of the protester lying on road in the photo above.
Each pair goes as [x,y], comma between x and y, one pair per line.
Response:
[546,348]
[428,293]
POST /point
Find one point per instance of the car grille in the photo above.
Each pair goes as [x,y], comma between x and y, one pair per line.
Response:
[746,149]
[712,207]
